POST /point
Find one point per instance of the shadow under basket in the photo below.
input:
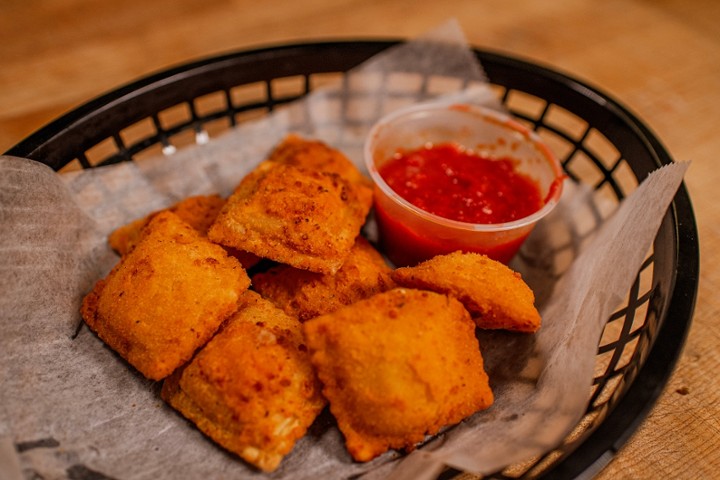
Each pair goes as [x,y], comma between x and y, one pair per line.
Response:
[598,141]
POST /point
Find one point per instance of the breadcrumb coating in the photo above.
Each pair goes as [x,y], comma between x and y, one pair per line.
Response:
[165,298]
[305,294]
[396,367]
[252,388]
[299,217]
[495,295]
[198,211]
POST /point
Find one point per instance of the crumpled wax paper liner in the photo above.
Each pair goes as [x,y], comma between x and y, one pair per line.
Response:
[71,408]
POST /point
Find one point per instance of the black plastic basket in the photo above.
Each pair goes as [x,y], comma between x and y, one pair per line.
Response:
[185,104]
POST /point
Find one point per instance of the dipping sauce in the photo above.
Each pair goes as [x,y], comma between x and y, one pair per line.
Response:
[451,182]
[452,177]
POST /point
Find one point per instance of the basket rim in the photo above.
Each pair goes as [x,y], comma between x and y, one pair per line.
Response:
[601,445]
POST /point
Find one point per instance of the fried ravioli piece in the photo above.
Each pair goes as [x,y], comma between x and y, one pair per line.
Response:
[124,238]
[316,155]
[292,215]
[165,298]
[397,366]
[198,211]
[495,295]
[305,294]
[252,388]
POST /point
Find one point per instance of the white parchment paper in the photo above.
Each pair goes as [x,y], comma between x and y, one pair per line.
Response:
[71,408]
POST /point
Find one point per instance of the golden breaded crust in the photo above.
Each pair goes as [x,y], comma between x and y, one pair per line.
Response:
[198,211]
[124,238]
[397,366]
[305,294]
[165,298]
[298,217]
[252,388]
[318,156]
[495,295]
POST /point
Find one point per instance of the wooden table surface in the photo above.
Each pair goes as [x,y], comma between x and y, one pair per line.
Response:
[659,57]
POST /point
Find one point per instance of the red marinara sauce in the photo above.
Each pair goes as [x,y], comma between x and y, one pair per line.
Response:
[451,182]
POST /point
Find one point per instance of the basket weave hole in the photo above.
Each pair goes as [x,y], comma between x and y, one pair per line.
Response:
[175,116]
[637,300]
[72,166]
[251,95]
[524,104]
[602,149]
[101,151]
[250,101]
[611,333]
[618,374]
[646,275]
[183,138]
[216,127]
[566,122]
[288,88]
[640,319]
[603,360]
[606,391]
[560,146]
[152,151]
[138,132]
[499,91]
[625,178]
[212,103]
[585,168]
[250,115]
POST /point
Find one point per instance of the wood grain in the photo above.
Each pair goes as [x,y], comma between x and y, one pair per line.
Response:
[659,57]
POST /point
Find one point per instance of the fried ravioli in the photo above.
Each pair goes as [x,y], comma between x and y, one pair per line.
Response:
[198,211]
[396,367]
[292,215]
[495,295]
[252,388]
[305,294]
[316,155]
[166,297]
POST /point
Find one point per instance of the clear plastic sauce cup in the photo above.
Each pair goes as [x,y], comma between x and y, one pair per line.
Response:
[409,234]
